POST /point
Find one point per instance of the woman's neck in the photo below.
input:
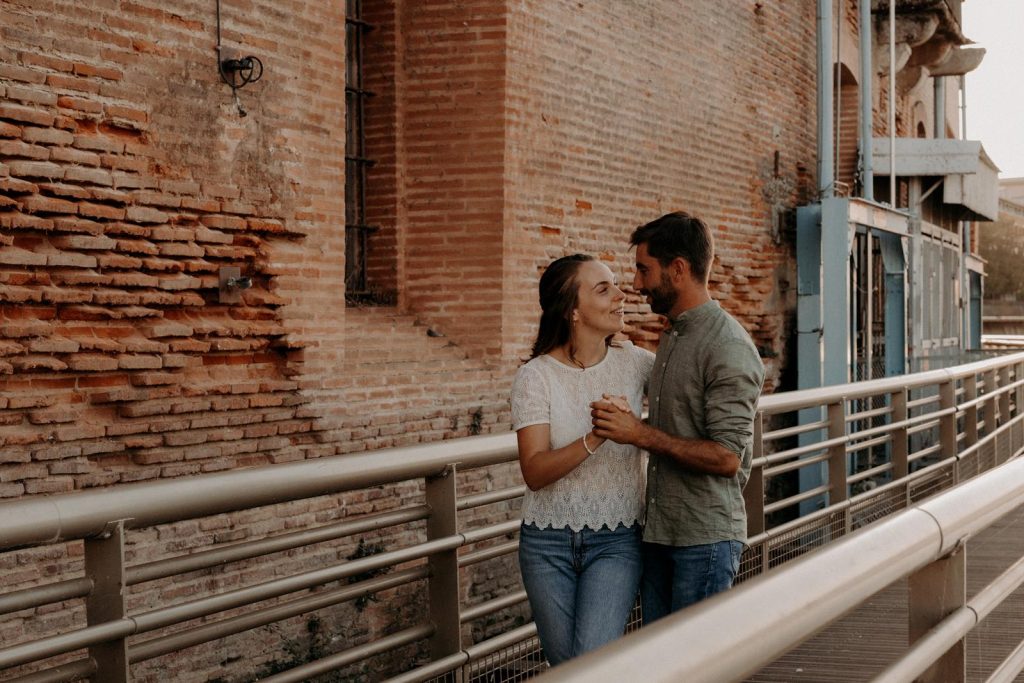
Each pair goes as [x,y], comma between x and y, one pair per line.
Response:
[584,353]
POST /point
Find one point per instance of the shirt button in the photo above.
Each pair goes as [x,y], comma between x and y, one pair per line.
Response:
[655,398]
[675,334]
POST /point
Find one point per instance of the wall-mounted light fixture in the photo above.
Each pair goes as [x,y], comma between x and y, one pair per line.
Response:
[237,72]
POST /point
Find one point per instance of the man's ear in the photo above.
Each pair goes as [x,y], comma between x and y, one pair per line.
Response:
[679,269]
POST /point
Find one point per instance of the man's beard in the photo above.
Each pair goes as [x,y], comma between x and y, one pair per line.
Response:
[663,297]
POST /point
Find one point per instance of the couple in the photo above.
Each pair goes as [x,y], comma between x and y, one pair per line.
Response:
[586,544]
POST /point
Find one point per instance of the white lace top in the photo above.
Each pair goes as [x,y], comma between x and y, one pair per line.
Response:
[606,489]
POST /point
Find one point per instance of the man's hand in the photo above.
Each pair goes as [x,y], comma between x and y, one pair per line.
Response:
[614,419]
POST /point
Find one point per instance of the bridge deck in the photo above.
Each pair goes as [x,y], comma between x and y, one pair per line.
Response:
[861,644]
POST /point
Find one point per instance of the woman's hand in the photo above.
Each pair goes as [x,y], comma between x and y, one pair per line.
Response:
[614,419]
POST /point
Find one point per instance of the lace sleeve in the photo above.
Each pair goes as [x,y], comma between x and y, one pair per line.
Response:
[531,399]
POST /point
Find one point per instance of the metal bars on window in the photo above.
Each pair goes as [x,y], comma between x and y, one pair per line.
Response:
[357,231]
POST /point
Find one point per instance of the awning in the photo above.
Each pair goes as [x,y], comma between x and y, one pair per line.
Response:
[971,179]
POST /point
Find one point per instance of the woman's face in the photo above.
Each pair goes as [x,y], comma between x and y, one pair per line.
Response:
[599,305]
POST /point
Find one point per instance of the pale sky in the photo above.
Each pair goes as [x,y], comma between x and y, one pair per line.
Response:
[995,90]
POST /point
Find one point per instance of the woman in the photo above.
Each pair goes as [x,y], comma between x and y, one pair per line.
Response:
[579,548]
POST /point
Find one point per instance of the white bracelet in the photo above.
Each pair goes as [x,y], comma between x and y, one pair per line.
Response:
[586,447]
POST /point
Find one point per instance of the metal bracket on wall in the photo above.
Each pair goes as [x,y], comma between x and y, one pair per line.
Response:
[231,284]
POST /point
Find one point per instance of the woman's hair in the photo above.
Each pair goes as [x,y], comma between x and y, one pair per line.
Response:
[559,295]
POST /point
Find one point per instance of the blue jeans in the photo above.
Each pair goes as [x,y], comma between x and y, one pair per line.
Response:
[676,577]
[581,585]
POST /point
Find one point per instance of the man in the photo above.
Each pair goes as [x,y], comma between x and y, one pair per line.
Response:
[702,397]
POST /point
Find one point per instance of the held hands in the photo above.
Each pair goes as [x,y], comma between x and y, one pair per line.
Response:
[614,419]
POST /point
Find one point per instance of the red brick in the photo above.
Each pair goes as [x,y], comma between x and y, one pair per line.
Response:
[31,95]
[38,203]
[79,104]
[9,130]
[58,484]
[98,71]
[13,256]
[88,175]
[73,83]
[91,362]
[20,73]
[36,169]
[98,143]
[16,112]
[101,211]
[74,156]
[17,148]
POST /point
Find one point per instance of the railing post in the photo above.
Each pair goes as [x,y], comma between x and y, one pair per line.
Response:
[104,565]
[443,586]
[837,465]
[947,424]
[971,413]
[1018,410]
[1003,454]
[934,592]
[990,406]
[900,447]
[753,492]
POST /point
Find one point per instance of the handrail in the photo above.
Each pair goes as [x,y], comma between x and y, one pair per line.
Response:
[778,611]
[965,416]
[48,519]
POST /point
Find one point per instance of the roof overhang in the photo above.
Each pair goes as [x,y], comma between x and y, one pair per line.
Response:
[971,180]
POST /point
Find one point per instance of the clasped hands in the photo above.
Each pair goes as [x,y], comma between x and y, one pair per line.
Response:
[614,419]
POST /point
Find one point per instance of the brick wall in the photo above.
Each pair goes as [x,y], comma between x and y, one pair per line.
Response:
[621,112]
[505,135]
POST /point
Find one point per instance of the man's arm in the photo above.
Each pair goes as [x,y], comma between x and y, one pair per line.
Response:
[698,455]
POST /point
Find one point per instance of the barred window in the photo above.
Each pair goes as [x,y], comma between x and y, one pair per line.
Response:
[357,232]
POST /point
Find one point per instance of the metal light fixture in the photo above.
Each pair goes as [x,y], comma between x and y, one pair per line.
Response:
[237,72]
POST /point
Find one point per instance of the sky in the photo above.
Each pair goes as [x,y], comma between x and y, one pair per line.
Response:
[995,90]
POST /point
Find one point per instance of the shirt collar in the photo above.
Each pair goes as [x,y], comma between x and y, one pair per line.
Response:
[694,315]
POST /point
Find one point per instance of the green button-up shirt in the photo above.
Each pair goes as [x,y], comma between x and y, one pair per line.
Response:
[706,380]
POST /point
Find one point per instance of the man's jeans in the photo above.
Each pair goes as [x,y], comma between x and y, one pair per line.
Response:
[676,577]
[581,584]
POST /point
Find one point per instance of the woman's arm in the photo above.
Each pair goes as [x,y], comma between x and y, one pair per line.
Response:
[540,464]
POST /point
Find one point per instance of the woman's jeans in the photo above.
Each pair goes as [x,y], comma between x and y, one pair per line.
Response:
[677,577]
[581,584]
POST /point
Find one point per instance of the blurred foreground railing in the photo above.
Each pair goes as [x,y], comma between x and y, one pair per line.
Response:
[735,634]
[871,449]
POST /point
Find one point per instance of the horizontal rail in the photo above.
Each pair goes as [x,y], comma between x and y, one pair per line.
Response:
[779,610]
[48,519]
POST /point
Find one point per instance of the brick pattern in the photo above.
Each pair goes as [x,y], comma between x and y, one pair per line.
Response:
[505,134]
[119,362]
[610,127]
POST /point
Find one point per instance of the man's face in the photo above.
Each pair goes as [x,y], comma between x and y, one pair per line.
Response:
[654,282]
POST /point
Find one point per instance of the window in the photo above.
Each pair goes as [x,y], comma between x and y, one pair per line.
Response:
[357,231]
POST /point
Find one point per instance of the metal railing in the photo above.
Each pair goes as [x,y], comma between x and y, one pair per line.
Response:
[734,634]
[878,447]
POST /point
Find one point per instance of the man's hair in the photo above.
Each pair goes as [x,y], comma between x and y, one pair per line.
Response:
[678,235]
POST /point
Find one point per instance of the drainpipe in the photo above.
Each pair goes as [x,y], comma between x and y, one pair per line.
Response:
[940,106]
[826,160]
[867,171]
[892,103]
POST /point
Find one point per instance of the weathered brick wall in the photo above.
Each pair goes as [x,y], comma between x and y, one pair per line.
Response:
[621,112]
[505,135]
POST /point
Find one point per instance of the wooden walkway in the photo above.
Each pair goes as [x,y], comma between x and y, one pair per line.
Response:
[861,644]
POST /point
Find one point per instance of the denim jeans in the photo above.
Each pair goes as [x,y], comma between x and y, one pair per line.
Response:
[581,585]
[676,577]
